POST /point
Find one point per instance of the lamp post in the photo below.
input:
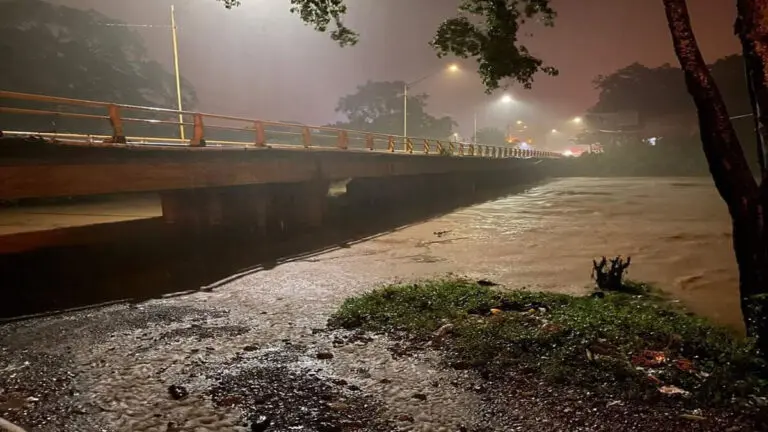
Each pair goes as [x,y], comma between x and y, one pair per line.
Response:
[176,68]
[451,68]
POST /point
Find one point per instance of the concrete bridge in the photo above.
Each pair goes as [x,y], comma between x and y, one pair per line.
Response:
[232,170]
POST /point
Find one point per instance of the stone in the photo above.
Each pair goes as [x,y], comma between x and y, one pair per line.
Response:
[405,418]
[260,423]
[419,396]
[324,355]
[177,392]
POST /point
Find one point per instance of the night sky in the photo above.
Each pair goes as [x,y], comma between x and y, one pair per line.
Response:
[260,61]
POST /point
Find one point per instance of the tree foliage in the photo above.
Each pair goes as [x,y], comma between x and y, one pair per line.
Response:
[320,14]
[377,106]
[62,51]
[485,30]
[491,136]
[67,52]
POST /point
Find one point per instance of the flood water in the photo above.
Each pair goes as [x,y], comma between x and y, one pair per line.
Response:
[112,365]
[677,232]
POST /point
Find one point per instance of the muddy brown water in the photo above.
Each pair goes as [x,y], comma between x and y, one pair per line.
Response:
[109,368]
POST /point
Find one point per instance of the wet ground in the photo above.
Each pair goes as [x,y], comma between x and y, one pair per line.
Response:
[251,354]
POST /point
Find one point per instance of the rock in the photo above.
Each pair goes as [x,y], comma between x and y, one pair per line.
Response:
[405,418]
[419,396]
[250,348]
[353,387]
[260,423]
[177,392]
[460,365]
[486,283]
[598,295]
[340,382]
[338,406]
[385,381]
[172,427]
[324,355]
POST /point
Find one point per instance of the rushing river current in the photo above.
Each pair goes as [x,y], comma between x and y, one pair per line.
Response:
[677,232]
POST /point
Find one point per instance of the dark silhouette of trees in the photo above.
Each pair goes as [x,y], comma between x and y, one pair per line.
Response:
[377,106]
[67,52]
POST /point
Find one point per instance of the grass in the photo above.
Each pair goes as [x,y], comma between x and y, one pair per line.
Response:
[594,343]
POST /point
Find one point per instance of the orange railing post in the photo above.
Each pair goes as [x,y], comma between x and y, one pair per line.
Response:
[426,146]
[261,139]
[391,144]
[440,148]
[306,137]
[343,142]
[197,131]
[369,141]
[118,134]
[408,146]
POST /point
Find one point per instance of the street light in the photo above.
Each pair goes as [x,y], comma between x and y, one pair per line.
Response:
[577,120]
[451,68]
[554,131]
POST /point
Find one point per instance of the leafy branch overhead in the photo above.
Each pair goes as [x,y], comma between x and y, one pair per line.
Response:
[320,14]
[485,30]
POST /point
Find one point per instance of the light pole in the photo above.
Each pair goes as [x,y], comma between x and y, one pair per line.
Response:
[451,68]
[176,68]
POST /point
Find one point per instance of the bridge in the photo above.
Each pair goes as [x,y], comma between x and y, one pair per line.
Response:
[212,169]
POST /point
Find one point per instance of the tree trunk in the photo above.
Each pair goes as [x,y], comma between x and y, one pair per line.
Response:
[734,181]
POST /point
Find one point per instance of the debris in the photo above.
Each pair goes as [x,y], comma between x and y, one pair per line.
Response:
[441,233]
[324,355]
[420,396]
[672,390]
[649,358]
[260,424]
[339,381]
[684,365]
[495,311]
[692,417]
[486,283]
[338,406]
[612,403]
[385,381]
[443,331]
[177,392]
[405,418]
[654,380]
[250,348]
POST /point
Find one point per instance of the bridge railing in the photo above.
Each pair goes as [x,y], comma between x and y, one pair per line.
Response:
[91,122]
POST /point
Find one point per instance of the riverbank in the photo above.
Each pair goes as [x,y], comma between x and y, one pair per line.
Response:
[657,365]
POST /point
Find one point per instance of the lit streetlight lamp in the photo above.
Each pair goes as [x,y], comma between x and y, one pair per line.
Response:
[578,120]
[451,68]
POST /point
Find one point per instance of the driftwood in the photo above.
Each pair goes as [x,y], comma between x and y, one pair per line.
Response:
[610,277]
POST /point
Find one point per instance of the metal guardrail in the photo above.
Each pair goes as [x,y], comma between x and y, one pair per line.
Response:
[261,133]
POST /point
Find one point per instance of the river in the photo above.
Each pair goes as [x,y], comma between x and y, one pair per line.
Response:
[111,366]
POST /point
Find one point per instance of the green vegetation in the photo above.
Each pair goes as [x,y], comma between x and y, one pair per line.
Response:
[613,344]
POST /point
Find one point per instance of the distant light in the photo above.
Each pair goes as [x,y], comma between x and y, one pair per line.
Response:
[519,122]
[653,141]
[453,67]
[577,120]
[524,146]
[506,99]
[554,130]
[567,153]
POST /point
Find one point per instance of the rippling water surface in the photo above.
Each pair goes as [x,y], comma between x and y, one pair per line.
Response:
[676,230]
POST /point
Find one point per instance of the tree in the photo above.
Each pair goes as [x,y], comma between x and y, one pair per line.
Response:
[485,30]
[377,106]
[746,198]
[67,52]
[491,136]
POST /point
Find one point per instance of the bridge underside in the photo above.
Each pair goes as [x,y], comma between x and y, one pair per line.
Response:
[265,188]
